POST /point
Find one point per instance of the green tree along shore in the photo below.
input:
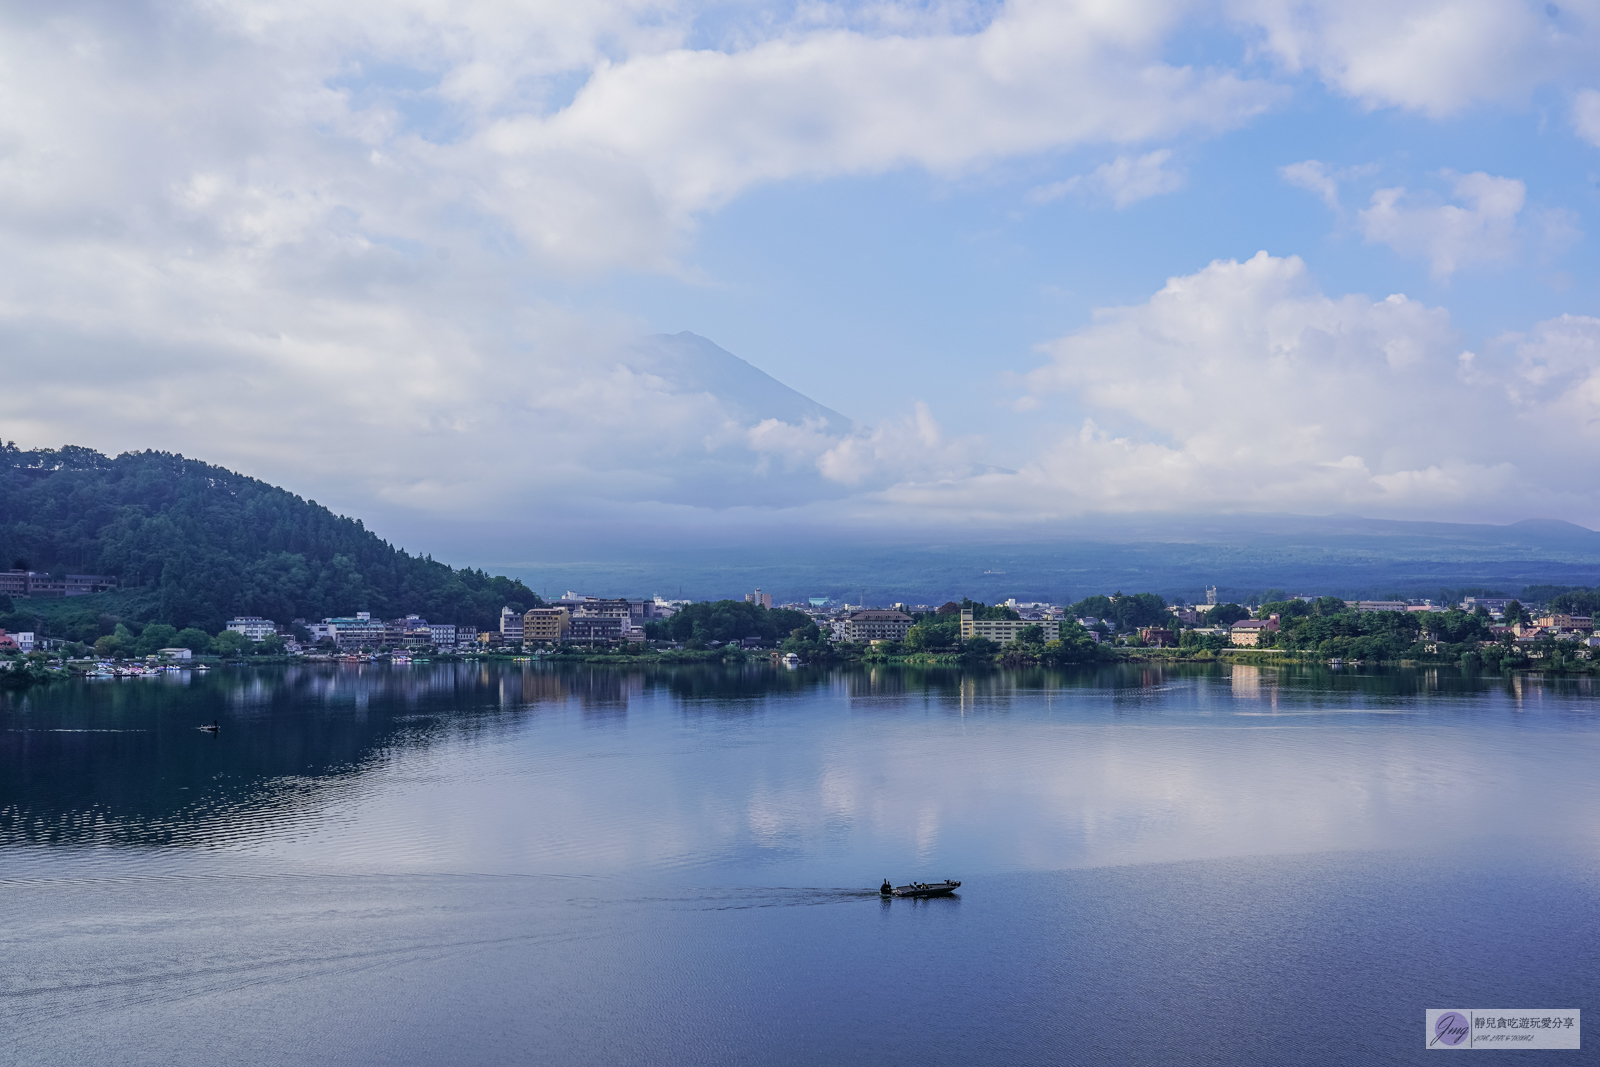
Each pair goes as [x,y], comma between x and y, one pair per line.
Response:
[935,635]
[1327,628]
[195,545]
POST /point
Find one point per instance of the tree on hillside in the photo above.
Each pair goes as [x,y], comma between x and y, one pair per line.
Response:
[1139,609]
[194,639]
[209,544]
[1575,602]
[980,610]
[1226,614]
[229,643]
[730,620]
[153,638]
[1098,607]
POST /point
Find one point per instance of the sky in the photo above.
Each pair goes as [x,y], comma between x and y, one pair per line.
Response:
[1051,259]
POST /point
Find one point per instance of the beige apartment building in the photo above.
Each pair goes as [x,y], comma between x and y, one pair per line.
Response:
[1248,632]
[545,625]
[1565,622]
[1004,631]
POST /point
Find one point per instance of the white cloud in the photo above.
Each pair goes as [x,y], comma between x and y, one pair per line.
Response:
[254,231]
[1243,388]
[1317,177]
[424,122]
[1554,372]
[1432,56]
[1586,115]
[1450,236]
[1125,180]
[1314,177]
[696,128]
[1241,385]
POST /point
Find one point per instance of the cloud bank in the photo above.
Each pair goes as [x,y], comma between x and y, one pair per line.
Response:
[318,242]
[1242,387]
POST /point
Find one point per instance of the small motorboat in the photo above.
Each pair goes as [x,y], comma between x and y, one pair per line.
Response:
[215,727]
[919,889]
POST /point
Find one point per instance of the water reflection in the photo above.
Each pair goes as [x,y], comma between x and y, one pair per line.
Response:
[467,863]
[742,768]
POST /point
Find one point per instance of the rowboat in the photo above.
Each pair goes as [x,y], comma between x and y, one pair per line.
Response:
[920,889]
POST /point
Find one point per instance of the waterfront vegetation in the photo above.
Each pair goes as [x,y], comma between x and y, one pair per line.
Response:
[714,634]
[725,631]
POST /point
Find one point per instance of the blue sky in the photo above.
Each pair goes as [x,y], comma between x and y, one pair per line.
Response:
[852,290]
[375,253]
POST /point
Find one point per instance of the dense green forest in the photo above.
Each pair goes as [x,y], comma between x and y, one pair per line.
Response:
[731,620]
[1567,600]
[195,545]
[939,631]
[1327,626]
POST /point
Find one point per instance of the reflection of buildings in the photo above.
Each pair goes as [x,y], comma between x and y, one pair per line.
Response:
[607,690]
[873,682]
[532,687]
[1252,683]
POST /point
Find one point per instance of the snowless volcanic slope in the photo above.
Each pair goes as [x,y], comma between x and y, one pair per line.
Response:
[692,364]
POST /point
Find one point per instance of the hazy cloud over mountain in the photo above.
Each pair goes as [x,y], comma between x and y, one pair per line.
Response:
[402,255]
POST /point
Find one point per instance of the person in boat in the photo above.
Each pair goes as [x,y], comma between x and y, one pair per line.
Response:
[886,888]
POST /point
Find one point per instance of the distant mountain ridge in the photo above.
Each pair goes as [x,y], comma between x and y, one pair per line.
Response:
[1175,556]
[195,544]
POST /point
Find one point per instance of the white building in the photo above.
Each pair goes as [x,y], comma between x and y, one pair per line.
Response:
[510,626]
[253,626]
[443,634]
[661,608]
[175,653]
[25,641]
[352,632]
[875,624]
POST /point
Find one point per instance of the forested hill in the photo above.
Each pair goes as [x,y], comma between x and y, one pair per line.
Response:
[200,544]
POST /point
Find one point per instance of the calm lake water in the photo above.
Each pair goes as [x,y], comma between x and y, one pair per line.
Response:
[483,865]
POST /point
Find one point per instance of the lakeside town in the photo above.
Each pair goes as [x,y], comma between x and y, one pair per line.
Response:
[1491,631]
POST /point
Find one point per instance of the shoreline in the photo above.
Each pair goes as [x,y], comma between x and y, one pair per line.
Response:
[1253,657]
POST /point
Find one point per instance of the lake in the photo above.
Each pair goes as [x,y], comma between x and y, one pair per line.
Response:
[469,864]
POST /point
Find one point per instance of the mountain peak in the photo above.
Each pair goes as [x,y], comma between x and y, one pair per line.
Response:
[695,364]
